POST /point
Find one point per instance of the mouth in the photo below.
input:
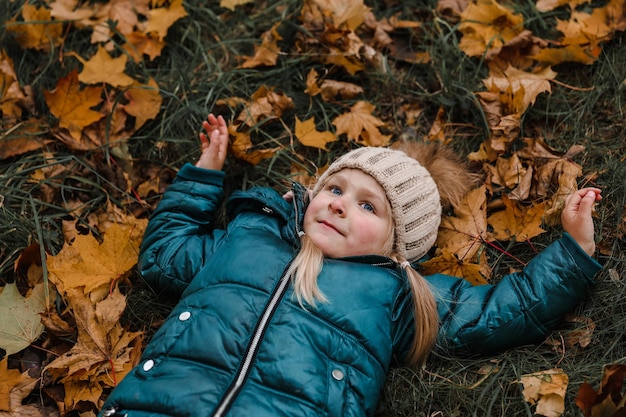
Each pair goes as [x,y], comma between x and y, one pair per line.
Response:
[329,226]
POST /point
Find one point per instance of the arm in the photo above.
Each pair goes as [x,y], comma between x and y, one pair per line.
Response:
[178,240]
[524,306]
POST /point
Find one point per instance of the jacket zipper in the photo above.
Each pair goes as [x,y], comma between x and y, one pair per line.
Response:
[251,352]
[253,348]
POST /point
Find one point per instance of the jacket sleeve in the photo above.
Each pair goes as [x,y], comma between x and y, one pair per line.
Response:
[522,308]
[179,235]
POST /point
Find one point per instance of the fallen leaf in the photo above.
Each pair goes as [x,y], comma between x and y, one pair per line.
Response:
[267,53]
[37,30]
[102,68]
[21,325]
[546,389]
[87,264]
[361,126]
[308,135]
[516,222]
[72,106]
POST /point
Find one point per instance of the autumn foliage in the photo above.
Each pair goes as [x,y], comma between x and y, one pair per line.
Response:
[68,300]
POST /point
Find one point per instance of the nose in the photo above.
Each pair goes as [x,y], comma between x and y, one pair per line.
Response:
[337,206]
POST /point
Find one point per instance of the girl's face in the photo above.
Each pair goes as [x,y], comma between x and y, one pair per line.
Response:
[350,216]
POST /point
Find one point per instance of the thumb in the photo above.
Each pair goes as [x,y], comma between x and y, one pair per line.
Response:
[586,204]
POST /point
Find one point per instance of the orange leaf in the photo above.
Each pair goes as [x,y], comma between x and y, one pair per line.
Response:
[267,53]
[361,126]
[447,263]
[37,31]
[464,233]
[144,102]
[486,27]
[516,222]
[73,106]
[160,19]
[87,264]
[102,68]
[546,389]
[242,146]
[9,378]
[308,135]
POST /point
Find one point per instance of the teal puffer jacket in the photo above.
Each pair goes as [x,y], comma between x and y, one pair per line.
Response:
[238,344]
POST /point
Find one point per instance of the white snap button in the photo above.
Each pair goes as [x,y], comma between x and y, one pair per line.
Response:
[184,316]
[337,374]
[148,365]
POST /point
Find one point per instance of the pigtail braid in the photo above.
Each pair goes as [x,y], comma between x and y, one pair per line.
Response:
[426,317]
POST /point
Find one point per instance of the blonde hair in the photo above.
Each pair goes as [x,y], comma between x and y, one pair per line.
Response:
[309,262]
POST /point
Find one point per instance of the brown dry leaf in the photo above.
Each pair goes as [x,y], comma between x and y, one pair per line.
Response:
[523,84]
[347,15]
[267,53]
[516,222]
[608,400]
[73,106]
[361,126]
[486,27]
[87,264]
[242,146]
[22,138]
[37,30]
[562,173]
[265,103]
[447,263]
[507,172]
[546,389]
[103,352]
[144,102]
[139,44]
[102,68]
[308,135]
[14,99]
[463,234]
[330,89]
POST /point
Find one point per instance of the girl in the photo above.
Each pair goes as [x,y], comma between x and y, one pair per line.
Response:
[299,308]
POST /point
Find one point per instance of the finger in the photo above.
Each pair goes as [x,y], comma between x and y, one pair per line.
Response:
[586,203]
[203,139]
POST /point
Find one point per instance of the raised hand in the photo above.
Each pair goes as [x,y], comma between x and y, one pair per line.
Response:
[214,143]
[576,217]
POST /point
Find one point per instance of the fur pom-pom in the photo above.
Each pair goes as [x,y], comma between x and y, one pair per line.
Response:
[452,176]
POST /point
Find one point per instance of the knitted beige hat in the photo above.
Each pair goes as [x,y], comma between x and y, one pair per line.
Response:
[411,191]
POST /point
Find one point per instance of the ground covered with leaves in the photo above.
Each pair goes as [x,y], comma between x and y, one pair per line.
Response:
[101,103]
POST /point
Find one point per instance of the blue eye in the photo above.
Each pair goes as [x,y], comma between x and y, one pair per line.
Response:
[335,190]
[368,207]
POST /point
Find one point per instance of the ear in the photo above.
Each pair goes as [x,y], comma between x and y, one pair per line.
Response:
[452,176]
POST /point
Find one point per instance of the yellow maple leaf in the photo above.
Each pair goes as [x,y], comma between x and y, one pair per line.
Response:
[160,19]
[463,234]
[344,14]
[447,263]
[73,106]
[144,102]
[361,126]
[232,4]
[139,44]
[102,68]
[87,264]
[308,135]
[487,26]
[9,378]
[37,31]
[516,221]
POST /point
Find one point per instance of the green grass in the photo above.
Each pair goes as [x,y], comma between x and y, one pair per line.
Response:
[199,66]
